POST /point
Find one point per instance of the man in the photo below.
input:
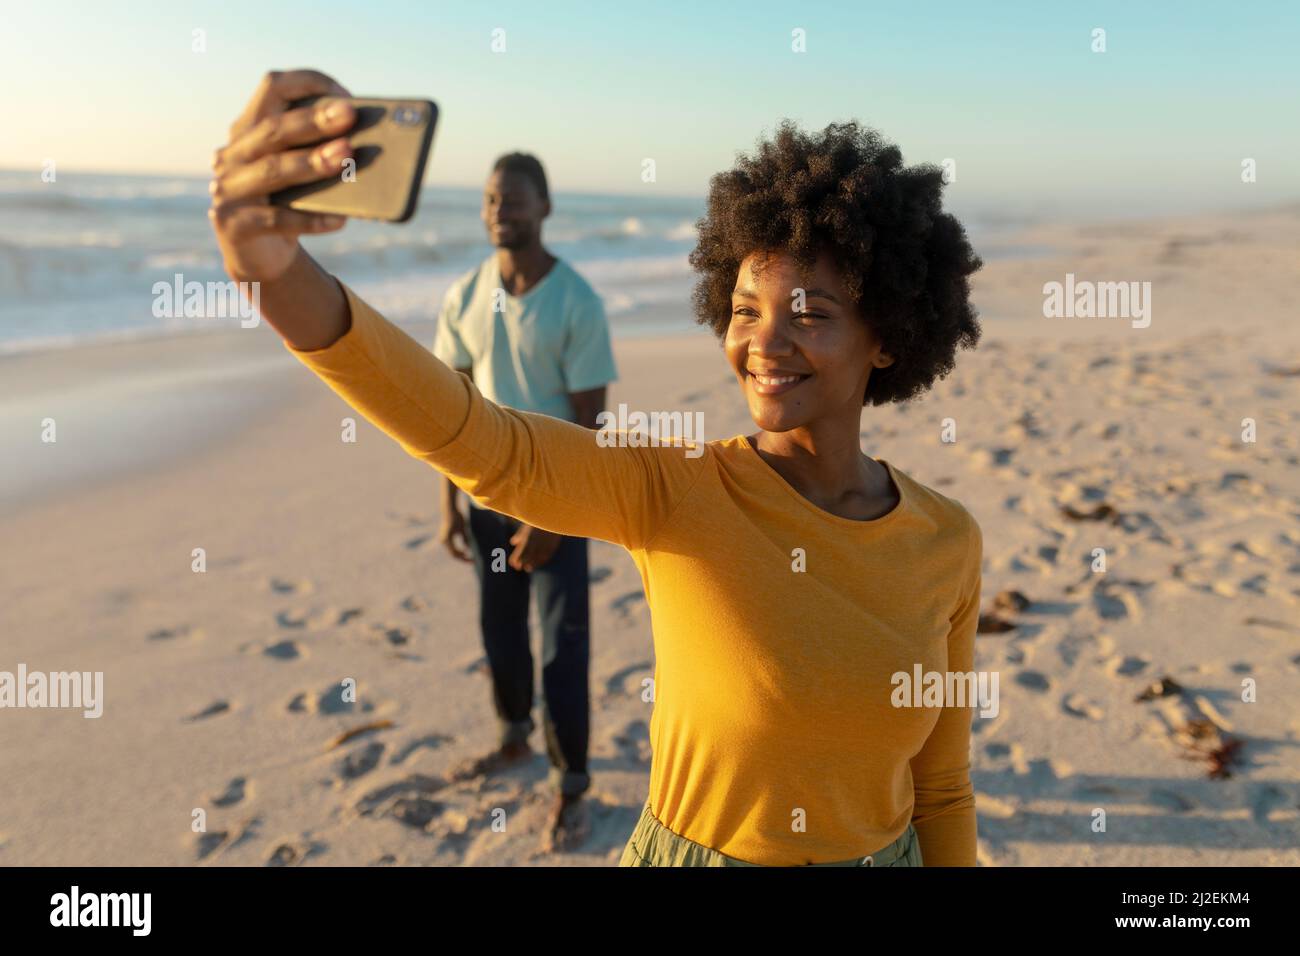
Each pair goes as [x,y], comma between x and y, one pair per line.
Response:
[531,334]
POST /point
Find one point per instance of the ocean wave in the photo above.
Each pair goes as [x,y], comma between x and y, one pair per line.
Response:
[86,189]
[85,250]
[193,259]
[44,201]
[167,189]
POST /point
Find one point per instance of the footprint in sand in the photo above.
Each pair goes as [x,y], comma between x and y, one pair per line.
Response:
[1073,646]
[417,812]
[394,634]
[250,829]
[216,707]
[285,651]
[363,760]
[415,604]
[429,742]
[328,701]
[418,542]
[291,854]
[409,801]
[235,791]
[292,620]
[209,843]
[1048,771]
[1245,549]
[451,826]
[1015,565]
[1114,599]
[1014,753]
[1238,482]
[1256,584]
[175,633]
[1079,706]
[1019,654]
[624,603]
[634,742]
[283,855]
[1129,666]
[296,619]
[331,702]
[289,586]
[992,457]
[1034,680]
[616,684]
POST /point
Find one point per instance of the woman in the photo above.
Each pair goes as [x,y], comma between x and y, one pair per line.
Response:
[789,576]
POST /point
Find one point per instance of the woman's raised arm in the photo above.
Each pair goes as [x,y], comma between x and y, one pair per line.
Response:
[549,473]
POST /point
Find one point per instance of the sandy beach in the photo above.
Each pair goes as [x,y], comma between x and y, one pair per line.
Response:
[222,688]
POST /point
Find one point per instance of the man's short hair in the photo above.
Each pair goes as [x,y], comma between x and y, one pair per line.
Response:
[525,164]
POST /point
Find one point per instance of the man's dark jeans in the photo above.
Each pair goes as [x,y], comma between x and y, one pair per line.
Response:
[561,586]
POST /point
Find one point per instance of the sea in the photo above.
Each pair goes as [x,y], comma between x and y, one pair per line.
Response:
[79,257]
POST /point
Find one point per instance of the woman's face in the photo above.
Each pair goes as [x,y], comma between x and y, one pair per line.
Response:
[797,344]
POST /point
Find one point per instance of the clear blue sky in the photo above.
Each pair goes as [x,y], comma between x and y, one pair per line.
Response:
[1011,91]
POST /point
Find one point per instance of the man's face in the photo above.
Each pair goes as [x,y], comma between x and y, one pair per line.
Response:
[513,210]
[798,365]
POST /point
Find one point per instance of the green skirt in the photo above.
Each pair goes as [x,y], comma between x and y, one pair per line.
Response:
[653,844]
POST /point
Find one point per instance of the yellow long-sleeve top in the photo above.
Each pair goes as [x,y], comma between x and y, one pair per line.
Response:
[774,738]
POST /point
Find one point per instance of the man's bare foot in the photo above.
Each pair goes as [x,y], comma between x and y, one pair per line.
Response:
[510,755]
[568,826]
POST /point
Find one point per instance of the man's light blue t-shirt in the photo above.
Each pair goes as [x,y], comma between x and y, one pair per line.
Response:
[527,351]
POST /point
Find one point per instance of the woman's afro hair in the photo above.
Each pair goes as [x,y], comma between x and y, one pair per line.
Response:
[845,192]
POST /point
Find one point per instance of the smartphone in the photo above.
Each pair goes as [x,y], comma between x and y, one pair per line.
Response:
[390,145]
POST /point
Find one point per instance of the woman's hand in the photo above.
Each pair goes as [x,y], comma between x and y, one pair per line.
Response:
[258,241]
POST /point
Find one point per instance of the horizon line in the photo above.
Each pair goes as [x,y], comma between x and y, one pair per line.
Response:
[90,171]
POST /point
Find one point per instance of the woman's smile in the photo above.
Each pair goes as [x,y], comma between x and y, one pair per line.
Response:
[771,382]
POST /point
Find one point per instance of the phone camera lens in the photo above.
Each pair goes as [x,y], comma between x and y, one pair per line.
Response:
[406,116]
